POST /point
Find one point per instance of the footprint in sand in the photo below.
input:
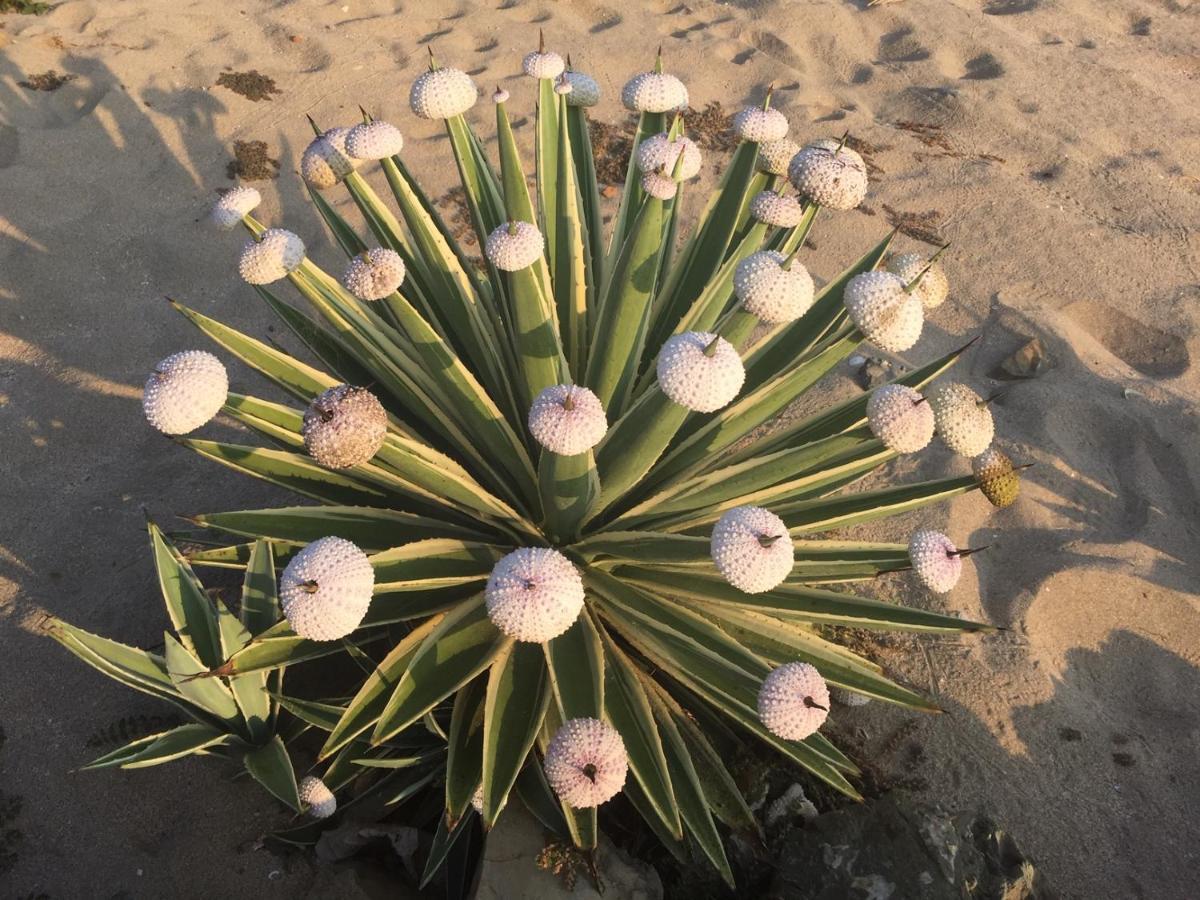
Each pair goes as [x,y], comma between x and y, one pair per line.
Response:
[901,46]
[1009,7]
[1149,350]
[10,145]
[983,67]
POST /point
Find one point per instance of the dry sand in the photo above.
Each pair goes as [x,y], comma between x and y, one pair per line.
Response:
[1055,142]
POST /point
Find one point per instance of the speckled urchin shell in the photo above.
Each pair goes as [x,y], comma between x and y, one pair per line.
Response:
[442,93]
[270,256]
[930,553]
[477,799]
[500,95]
[836,179]
[374,274]
[562,86]
[889,318]
[567,419]
[964,422]
[778,210]
[374,140]
[534,594]
[344,426]
[997,477]
[659,186]
[317,797]
[660,154]
[696,379]
[790,701]
[771,292]
[933,288]
[326,588]
[233,205]
[586,763]
[584,89]
[752,549]
[654,92]
[757,124]
[774,157]
[901,418]
[185,391]
[514,246]
[543,64]
[326,161]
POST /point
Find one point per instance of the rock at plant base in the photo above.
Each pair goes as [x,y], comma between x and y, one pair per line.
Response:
[897,847]
[508,869]
[1027,362]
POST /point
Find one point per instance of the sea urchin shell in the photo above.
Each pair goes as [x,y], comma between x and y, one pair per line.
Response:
[964,422]
[185,391]
[514,246]
[326,588]
[932,289]
[343,427]
[270,256]
[233,205]
[901,418]
[442,93]
[317,797]
[888,317]
[757,124]
[374,140]
[374,274]
[700,371]
[654,92]
[793,701]
[586,763]
[777,210]
[771,292]
[752,549]
[534,594]
[326,161]
[584,89]
[997,477]
[661,154]
[829,174]
[935,560]
[543,64]
[567,419]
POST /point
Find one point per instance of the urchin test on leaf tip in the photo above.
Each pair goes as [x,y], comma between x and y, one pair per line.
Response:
[586,762]
[270,257]
[793,701]
[185,391]
[567,419]
[315,795]
[700,371]
[514,246]
[344,427]
[534,594]
[752,549]
[773,288]
[232,206]
[326,160]
[326,588]
[374,274]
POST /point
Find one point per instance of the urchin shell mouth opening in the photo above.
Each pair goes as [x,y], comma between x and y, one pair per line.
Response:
[589,772]
[767,541]
[310,587]
[813,704]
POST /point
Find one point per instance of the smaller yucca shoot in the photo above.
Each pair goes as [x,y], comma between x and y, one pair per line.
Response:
[232,715]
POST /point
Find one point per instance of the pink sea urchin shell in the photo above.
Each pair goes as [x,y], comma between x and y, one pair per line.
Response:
[586,763]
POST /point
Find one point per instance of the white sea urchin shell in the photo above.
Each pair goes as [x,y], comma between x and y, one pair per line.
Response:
[185,391]
[757,124]
[344,426]
[534,594]
[567,419]
[931,555]
[270,256]
[654,92]
[752,549]
[699,374]
[889,317]
[933,288]
[774,157]
[233,205]
[326,161]
[836,179]
[778,210]
[660,154]
[514,246]
[771,292]
[901,418]
[584,89]
[442,93]
[586,763]
[374,274]
[964,422]
[326,588]
[374,140]
[659,186]
[543,64]
[317,797]
[793,701]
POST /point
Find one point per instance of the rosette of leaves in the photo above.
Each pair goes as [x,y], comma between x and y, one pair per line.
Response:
[665,650]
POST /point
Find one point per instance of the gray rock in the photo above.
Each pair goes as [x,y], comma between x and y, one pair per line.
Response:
[509,869]
[897,847]
[1027,362]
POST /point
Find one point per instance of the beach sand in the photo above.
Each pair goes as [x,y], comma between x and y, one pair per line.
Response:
[1053,142]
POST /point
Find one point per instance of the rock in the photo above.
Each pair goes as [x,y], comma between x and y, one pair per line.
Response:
[1029,361]
[508,869]
[896,847]
[791,804]
[609,191]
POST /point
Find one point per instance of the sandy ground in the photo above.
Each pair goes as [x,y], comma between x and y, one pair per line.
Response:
[1055,142]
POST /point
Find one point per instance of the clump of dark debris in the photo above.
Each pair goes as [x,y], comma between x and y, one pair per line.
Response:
[611,146]
[252,85]
[46,81]
[924,226]
[251,162]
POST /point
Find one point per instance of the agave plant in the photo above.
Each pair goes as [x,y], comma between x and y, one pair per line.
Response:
[537,523]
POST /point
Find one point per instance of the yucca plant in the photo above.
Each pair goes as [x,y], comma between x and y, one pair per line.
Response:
[536,517]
